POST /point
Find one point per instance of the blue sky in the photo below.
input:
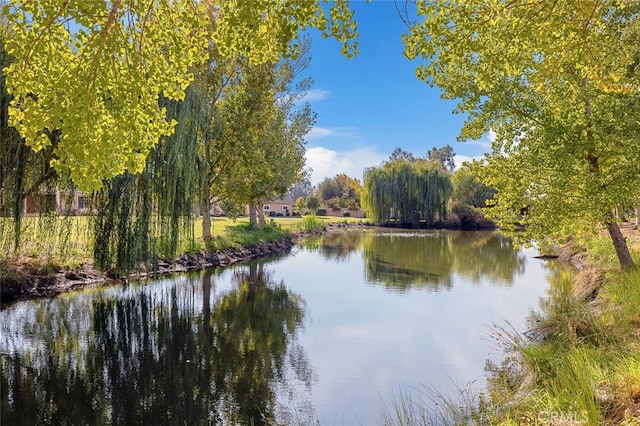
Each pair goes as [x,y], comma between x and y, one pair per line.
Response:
[369,105]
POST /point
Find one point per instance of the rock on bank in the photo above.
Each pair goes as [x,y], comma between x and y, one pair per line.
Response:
[27,280]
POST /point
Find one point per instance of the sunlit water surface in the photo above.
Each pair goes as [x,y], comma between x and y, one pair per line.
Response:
[345,324]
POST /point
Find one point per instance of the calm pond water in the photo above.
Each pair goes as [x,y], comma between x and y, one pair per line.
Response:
[328,334]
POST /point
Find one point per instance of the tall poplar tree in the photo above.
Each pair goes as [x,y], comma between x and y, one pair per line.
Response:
[257,150]
[558,83]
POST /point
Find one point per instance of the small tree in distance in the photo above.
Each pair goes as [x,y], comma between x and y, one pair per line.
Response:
[313,203]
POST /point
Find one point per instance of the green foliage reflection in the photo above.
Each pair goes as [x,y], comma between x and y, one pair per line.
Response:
[340,245]
[153,356]
[401,260]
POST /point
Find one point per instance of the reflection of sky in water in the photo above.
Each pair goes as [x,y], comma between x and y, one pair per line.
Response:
[365,342]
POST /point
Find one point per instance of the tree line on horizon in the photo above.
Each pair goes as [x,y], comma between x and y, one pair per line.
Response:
[404,190]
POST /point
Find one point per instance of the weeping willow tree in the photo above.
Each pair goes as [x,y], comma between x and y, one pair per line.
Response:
[29,185]
[145,215]
[406,192]
[138,216]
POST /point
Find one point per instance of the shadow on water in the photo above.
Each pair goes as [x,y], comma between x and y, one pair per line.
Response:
[159,356]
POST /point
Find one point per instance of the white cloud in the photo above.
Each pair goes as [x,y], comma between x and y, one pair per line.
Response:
[485,142]
[319,133]
[328,163]
[335,132]
[325,162]
[459,159]
[316,95]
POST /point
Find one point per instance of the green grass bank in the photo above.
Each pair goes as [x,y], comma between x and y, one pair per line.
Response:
[55,254]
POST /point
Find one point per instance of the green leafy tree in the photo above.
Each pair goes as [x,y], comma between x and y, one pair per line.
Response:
[339,191]
[328,188]
[283,156]
[468,189]
[100,83]
[313,203]
[444,156]
[558,83]
[246,111]
[220,85]
[143,215]
[96,69]
[24,173]
[299,203]
[265,129]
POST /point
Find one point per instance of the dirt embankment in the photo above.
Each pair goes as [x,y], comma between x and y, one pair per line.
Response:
[591,278]
[26,279]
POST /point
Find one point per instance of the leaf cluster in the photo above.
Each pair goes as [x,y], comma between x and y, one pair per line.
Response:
[96,70]
[557,82]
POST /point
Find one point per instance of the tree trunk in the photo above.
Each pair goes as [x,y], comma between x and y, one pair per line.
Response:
[253,218]
[206,218]
[620,213]
[260,213]
[637,216]
[620,244]
[206,296]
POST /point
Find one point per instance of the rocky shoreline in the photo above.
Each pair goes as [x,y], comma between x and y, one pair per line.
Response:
[30,283]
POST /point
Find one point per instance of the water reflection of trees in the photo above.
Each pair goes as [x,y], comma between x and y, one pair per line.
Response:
[340,245]
[310,243]
[486,255]
[160,358]
[401,260]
